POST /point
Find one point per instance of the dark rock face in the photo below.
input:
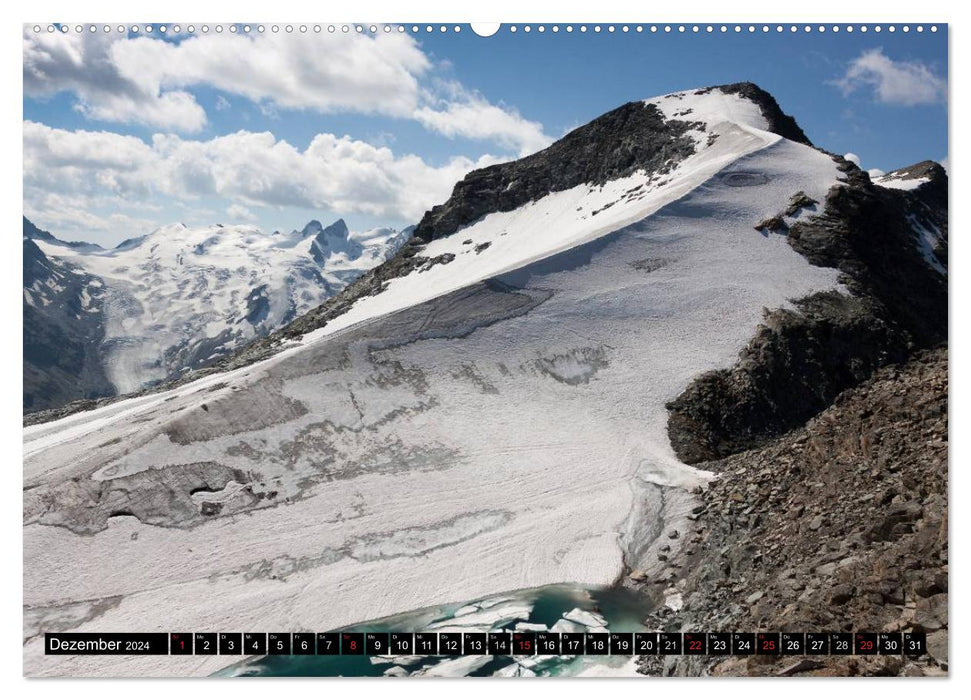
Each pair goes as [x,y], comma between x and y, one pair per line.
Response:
[868,233]
[632,137]
[257,305]
[797,362]
[773,224]
[60,334]
[929,199]
[800,360]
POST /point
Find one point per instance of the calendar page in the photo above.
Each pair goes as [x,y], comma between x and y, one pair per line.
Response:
[463,350]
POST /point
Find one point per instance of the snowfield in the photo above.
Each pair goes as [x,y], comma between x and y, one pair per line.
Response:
[493,423]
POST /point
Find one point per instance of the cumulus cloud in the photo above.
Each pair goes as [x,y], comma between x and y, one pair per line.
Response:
[853,158]
[892,82]
[78,217]
[323,72]
[81,170]
[237,212]
[148,81]
[469,115]
[83,64]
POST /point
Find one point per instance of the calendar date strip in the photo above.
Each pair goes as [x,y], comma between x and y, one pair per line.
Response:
[505,643]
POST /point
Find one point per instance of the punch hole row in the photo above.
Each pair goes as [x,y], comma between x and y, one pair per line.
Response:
[721,28]
[513,29]
[241,28]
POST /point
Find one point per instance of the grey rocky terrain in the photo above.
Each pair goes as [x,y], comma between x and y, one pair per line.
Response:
[840,525]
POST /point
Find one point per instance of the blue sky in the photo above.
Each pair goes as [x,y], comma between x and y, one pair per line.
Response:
[124,133]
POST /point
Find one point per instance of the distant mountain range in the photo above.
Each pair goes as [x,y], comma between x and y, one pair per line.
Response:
[100,322]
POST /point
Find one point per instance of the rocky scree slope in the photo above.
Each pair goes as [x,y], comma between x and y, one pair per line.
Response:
[840,525]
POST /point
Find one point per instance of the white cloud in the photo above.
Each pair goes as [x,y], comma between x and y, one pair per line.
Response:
[82,64]
[471,116]
[146,80]
[876,172]
[323,72]
[238,213]
[893,82]
[946,164]
[77,171]
[73,217]
[853,158]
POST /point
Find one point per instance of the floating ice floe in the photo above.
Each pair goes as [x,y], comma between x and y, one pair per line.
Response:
[567,626]
[392,659]
[490,617]
[585,618]
[531,627]
[453,668]
[515,671]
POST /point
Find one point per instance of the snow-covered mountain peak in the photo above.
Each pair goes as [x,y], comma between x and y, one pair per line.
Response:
[332,242]
[913,176]
[338,229]
[652,139]
[616,170]
[743,104]
[312,228]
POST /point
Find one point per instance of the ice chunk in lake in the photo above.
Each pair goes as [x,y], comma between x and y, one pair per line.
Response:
[567,626]
[457,667]
[531,627]
[514,671]
[585,618]
[495,616]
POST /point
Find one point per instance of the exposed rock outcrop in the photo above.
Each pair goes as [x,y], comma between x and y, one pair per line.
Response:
[800,359]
